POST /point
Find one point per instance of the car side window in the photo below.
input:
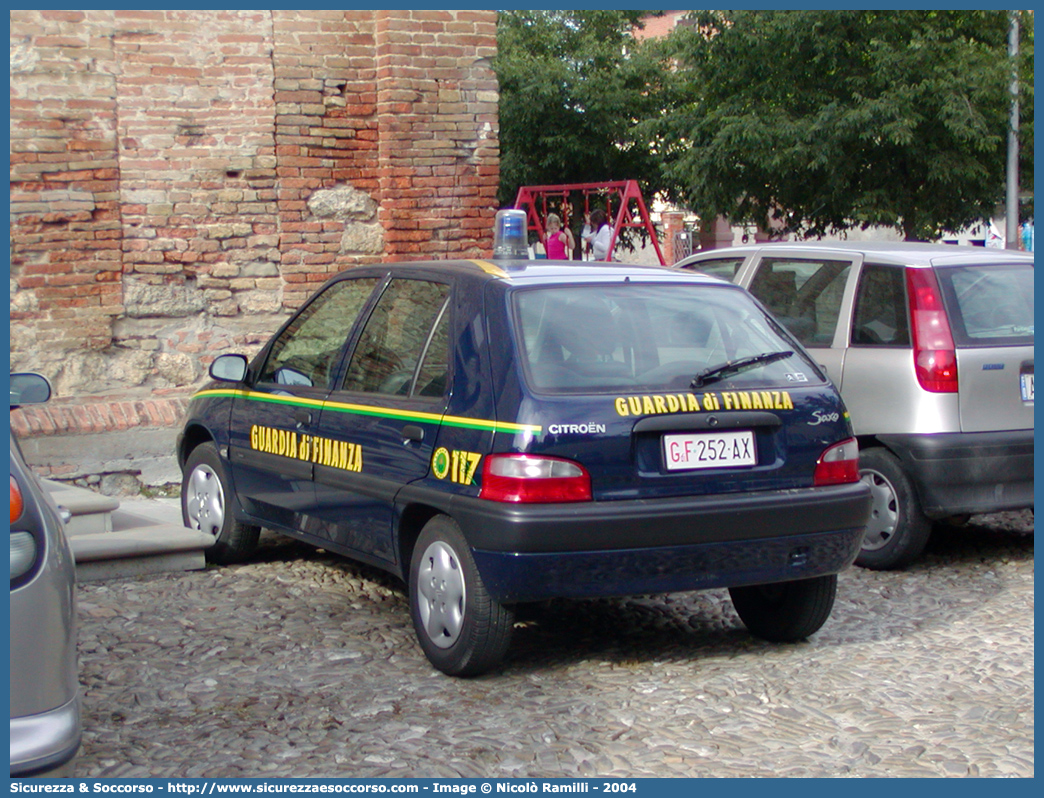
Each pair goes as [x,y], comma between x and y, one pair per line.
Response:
[804,294]
[401,334]
[725,268]
[879,318]
[307,351]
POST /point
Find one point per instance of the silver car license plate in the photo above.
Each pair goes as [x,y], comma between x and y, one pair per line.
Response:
[1027,387]
[709,450]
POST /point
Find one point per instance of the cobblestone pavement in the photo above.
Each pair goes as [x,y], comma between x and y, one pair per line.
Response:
[303,664]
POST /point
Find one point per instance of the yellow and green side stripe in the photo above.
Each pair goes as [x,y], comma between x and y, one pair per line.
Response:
[370,410]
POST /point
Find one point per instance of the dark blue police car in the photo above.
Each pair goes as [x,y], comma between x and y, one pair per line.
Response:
[504,432]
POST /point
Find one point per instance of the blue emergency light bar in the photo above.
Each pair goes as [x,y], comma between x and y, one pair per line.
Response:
[509,235]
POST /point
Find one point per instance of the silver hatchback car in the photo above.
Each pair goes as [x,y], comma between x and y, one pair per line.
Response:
[932,348]
[45,701]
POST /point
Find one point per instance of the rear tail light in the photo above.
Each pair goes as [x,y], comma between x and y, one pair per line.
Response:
[839,464]
[23,544]
[528,479]
[17,503]
[23,554]
[935,357]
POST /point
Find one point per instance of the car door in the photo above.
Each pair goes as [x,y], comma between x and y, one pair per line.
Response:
[809,293]
[274,419]
[879,384]
[378,427]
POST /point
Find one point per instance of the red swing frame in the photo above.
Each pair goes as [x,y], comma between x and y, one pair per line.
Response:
[623,191]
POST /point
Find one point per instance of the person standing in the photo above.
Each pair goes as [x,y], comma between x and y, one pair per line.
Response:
[559,243]
[597,233]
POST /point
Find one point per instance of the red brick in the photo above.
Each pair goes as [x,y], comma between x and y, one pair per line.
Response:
[391,157]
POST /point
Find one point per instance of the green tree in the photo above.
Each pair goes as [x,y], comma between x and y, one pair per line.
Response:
[834,119]
[573,84]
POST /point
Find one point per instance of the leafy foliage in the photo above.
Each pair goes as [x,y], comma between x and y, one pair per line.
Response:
[829,119]
[573,84]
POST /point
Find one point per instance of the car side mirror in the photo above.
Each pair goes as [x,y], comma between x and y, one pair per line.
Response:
[229,368]
[29,389]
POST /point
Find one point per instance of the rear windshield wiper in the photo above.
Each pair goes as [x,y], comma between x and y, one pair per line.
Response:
[730,367]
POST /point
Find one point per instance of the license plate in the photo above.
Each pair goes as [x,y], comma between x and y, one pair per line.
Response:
[1027,387]
[709,450]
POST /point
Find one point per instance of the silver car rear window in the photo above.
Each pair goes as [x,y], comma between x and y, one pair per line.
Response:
[989,305]
[649,337]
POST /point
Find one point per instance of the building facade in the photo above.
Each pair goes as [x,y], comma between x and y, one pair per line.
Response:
[182,180]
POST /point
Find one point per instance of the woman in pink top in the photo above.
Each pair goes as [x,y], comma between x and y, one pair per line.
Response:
[559,243]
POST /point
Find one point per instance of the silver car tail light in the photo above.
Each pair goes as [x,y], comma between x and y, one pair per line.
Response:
[23,553]
[935,356]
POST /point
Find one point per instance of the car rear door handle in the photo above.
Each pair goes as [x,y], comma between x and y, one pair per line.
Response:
[303,418]
[411,432]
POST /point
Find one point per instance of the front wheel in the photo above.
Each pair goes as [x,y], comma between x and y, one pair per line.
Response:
[897,531]
[785,612]
[204,488]
[462,630]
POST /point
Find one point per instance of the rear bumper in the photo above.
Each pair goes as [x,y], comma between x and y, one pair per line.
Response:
[534,552]
[628,572]
[42,743]
[958,473]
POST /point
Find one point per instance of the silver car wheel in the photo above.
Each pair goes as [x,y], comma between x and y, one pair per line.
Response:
[440,582]
[205,503]
[884,511]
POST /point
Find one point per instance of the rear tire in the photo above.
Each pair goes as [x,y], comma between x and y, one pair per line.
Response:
[461,629]
[897,531]
[785,612]
[204,507]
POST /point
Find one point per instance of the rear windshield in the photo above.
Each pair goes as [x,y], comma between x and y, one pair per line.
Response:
[601,338]
[990,305]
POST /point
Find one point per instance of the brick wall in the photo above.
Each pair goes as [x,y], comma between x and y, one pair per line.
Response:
[438,148]
[181,180]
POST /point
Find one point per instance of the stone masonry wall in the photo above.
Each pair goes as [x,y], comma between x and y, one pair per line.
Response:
[182,180]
